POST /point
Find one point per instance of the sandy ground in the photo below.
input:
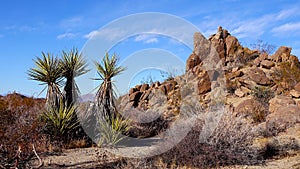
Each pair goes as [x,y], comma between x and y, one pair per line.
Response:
[99,158]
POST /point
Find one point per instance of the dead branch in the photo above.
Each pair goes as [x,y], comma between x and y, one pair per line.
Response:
[41,163]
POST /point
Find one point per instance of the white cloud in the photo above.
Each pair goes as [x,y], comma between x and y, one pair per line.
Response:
[287,28]
[287,13]
[145,38]
[108,34]
[66,36]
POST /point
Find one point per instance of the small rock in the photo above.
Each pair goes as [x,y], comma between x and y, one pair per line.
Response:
[267,64]
[297,87]
[295,93]
[144,87]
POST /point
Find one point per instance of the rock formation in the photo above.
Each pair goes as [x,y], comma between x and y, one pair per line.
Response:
[260,87]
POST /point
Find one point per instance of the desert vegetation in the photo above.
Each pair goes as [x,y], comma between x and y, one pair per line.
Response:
[257,119]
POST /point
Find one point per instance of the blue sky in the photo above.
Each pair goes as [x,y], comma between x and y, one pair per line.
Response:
[29,27]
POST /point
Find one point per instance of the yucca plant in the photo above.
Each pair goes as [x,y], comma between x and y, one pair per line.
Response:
[72,66]
[105,97]
[61,120]
[48,72]
[112,133]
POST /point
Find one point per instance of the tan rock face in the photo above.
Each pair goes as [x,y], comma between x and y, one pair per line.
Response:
[280,101]
[295,93]
[144,87]
[282,54]
[258,76]
[297,87]
[248,106]
[283,118]
[192,61]
[204,84]
[267,64]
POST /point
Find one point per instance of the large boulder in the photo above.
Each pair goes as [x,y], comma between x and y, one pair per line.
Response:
[204,83]
[280,101]
[192,61]
[282,119]
[258,76]
[282,54]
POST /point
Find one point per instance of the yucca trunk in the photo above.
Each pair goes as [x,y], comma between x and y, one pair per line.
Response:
[70,91]
[105,101]
[53,96]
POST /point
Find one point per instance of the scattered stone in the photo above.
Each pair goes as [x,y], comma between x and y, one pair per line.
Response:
[144,87]
[258,76]
[295,93]
[267,64]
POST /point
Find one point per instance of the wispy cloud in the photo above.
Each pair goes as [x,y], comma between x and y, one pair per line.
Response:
[146,38]
[71,23]
[253,27]
[283,14]
[108,34]
[287,29]
[1,36]
[66,36]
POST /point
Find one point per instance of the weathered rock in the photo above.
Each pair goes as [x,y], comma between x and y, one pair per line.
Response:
[283,118]
[282,54]
[231,45]
[235,74]
[280,101]
[267,64]
[192,61]
[241,92]
[295,93]
[135,96]
[170,85]
[132,90]
[145,95]
[258,76]
[297,87]
[138,87]
[144,87]
[247,106]
[204,84]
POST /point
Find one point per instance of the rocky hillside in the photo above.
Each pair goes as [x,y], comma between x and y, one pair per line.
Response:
[258,89]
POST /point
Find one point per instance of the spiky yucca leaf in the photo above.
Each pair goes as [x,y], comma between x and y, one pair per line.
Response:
[60,120]
[105,98]
[111,133]
[72,65]
[48,72]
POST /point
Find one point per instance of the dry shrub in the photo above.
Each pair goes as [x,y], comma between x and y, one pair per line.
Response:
[20,127]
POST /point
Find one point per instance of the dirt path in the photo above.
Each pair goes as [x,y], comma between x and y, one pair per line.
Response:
[103,158]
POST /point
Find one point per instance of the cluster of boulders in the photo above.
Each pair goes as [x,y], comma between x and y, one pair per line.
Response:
[255,82]
[139,95]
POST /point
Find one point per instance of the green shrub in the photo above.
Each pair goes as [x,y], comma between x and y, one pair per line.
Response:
[263,94]
[60,121]
[112,133]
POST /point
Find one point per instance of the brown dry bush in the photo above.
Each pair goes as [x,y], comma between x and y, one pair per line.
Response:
[20,127]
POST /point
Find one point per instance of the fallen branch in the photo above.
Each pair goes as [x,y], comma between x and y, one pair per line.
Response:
[17,156]
[41,163]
